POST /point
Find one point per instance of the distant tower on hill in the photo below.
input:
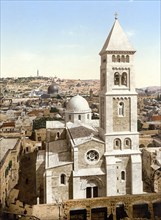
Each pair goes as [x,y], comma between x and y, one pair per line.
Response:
[37,73]
[91,94]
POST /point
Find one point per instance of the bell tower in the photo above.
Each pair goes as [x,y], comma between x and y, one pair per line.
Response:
[118,115]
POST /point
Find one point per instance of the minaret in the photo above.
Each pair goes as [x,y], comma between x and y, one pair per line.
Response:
[37,73]
[118,115]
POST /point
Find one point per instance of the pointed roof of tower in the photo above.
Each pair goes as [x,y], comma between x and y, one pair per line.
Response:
[117,40]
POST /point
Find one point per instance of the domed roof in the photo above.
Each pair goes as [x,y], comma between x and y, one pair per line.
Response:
[53,88]
[78,104]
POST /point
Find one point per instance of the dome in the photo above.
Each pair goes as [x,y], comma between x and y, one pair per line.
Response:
[78,104]
[53,89]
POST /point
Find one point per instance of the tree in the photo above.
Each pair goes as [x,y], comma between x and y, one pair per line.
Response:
[140,125]
[151,127]
[54,109]
[41,122]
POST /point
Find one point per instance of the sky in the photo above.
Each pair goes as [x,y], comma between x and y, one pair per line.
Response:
[64,38]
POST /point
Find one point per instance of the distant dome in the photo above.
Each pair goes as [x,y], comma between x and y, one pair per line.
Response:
[53,89]
[78,104]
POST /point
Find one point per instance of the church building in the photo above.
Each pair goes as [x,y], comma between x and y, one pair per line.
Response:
[84,161]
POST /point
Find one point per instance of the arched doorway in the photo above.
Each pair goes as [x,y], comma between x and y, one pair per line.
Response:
[120,211]
[78,214]
[93,187]
[157,209]
[99,213]
[141,211]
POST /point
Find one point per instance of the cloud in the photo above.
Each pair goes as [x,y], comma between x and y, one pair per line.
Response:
[69,46]
[130,33]
[71,33]
[68,32]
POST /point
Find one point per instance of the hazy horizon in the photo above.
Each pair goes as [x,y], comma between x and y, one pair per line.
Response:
[143,87]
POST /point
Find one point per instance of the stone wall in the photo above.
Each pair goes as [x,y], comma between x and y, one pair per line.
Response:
[9,168]
[121,123]
[47,212]
[112,203]
[62,190]
[83,163]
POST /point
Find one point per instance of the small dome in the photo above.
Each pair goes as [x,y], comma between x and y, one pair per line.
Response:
[53,89]
[78,104]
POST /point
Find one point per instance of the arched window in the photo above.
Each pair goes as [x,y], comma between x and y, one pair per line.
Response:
[116,79]
[123,58]
[58,134]
[92,192]
[127,58]
[127,143]
[63,179]
[124,79]
[118,58]
[121,109]
[103,81]
[117,144]
[79,117]
[104,60]
[92,156]
[113,58]
[70,117]
[122,175]
[87,116]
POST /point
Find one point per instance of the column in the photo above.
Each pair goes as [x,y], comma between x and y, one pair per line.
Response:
[88,215]
[150,209]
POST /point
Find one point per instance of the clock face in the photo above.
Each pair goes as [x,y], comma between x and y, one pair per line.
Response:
[92,156]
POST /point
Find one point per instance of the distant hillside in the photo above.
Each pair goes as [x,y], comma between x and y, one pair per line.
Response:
[149,90]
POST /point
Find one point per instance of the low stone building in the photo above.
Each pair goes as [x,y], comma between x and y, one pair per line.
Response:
[9,127]
[10,151]
[151,159]
[25,124]
[30,146]
[40,134]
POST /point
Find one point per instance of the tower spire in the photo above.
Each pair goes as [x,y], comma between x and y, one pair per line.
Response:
[118,115]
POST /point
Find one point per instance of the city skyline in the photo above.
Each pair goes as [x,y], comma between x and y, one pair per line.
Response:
[64,38]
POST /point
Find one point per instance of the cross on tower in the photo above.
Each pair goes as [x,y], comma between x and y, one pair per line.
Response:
[116,15]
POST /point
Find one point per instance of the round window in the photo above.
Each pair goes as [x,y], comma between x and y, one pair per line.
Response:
[92,155]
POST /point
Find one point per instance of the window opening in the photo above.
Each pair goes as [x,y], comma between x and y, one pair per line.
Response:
[92,192]
[88,192]
[124,79]
[118,58]
[127,143]
[121,109]
[117,144]
[123,175]
[127,58]
[58,134]
[92,155]
[123,58]
[116,79]
[113,58]
[95,191]
[63,179]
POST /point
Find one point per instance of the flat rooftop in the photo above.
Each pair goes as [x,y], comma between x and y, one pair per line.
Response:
[7,144]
